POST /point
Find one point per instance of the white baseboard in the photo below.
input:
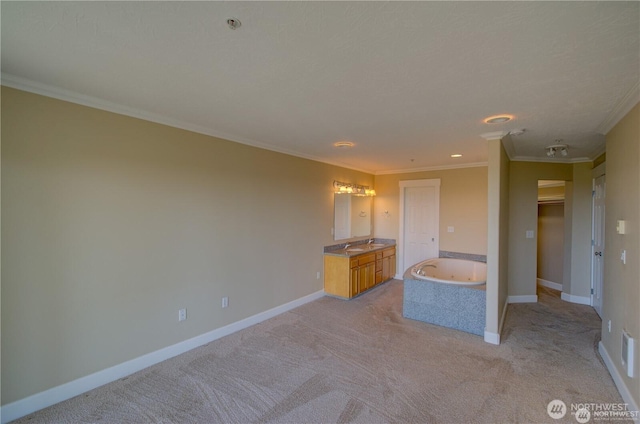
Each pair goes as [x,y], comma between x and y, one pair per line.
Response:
[22,407]
[529,298]
[550,284]
[617,379]
[493,338]
[582,300]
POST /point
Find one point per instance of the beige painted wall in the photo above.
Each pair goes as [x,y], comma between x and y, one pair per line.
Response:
[111,224]
[523,193]
[463,205]
[498,238]
[551,242]
[621,293]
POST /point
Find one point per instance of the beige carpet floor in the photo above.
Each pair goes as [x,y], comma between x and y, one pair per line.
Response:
[360,361]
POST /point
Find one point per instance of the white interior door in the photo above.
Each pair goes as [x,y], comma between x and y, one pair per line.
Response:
[597,271]
[420,208]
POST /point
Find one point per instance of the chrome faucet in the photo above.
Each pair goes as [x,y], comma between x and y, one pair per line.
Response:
[346,246]
[370,241]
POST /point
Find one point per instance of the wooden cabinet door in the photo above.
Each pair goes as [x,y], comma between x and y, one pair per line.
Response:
[366,276]
[386,268]
[362,275]
[370,274]
[354,282]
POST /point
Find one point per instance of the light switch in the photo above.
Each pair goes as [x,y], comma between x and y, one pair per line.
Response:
[623,257]
[449,229]
[529,234]
[620,227]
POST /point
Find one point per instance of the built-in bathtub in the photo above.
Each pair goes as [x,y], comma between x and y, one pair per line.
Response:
[451,271]
[447,292]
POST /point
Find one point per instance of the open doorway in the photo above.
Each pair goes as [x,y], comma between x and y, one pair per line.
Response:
[551,233]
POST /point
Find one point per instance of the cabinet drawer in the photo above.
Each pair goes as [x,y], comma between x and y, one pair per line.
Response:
[353,262]
[366,259]
[378,255]
[388,252]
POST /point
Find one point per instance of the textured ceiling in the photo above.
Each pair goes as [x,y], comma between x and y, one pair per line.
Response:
[408,82]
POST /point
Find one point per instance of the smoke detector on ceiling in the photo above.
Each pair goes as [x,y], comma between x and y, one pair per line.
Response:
[233,23]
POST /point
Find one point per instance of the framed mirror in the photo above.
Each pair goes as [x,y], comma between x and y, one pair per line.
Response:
[352,216]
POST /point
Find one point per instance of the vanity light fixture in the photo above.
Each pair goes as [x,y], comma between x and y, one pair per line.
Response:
[456,155]
[343,144]
[563,149]
[498,119]
[348,188]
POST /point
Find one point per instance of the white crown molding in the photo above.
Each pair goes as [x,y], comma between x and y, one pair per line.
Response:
[620,109]
[602,150]
[46,90]
[433,168]
[496,135]
[550,160]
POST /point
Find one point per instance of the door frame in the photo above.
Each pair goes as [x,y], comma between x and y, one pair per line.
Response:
[599,171]
[433,182]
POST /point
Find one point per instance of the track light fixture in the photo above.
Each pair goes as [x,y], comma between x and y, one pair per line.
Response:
[552,150]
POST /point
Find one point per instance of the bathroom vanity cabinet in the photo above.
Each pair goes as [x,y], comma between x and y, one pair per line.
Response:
[347,275]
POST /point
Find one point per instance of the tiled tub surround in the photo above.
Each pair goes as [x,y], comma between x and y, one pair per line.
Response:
[460,255]
[339,249]
[448,305]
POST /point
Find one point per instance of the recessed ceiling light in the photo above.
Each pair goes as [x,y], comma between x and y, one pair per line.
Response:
[456,155]
[343,144]
[498,119]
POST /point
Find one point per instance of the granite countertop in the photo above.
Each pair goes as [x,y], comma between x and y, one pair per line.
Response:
[359,249]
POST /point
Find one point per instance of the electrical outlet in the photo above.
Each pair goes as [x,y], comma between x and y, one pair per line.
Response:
[609,326]
[225,302]
[318,275]
[182,314]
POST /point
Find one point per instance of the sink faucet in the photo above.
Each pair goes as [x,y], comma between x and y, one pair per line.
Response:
[346,246]
[370,241]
